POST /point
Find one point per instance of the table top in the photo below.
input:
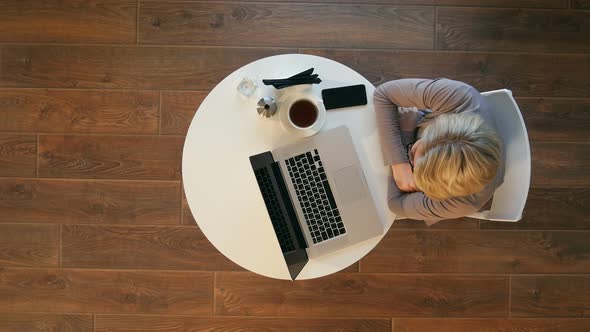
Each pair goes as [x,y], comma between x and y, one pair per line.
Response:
[219,183]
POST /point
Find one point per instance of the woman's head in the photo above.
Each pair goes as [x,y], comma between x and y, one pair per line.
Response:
[457,156]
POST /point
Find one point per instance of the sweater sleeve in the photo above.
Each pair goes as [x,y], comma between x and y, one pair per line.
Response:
[418,206]
[439,95]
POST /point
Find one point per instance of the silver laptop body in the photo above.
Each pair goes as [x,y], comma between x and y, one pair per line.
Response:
[344,174]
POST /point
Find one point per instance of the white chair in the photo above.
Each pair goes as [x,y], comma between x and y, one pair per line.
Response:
[510,198]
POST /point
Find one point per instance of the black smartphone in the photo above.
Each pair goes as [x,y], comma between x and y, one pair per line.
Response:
[346,96]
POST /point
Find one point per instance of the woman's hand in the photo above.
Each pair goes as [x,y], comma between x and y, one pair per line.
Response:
[404,177]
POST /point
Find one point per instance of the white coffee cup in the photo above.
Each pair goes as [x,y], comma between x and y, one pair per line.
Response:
[302,113]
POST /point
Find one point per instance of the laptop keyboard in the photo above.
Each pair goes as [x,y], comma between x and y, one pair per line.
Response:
[315,196]
[279,222]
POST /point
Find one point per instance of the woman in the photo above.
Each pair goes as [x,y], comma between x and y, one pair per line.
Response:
[446,159]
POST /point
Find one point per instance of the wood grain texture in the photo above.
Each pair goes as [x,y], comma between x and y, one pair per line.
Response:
[492,325]
[110,157]
[551,208]
[475,3]
[29,245]
[178,110]
[100,81]
[362,295]
[512,30]
[397,2]
[140,247]
[123,67]
[556,119]
[287,25]
[524,74]
[89,201]
[104,291]
[111,323]
[480,252]
[68,21]
[560,164]
[18,155]
[505,3]
[550,296]
[79,111]
[580,4]
[46,322]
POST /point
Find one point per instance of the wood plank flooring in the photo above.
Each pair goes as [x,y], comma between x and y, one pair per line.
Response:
[18,155]
[491,325]
[89,201]
[106,291]
[75,111]
[120,323]
[110,157]
[96,98]
[236,24]
[485,29]
[41,322]
[68,21]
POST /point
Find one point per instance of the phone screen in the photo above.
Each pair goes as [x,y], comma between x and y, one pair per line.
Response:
[346,96]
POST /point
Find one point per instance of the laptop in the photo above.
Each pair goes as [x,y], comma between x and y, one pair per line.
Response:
[316,196]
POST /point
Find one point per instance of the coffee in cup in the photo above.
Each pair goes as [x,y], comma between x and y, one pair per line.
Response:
[303,113]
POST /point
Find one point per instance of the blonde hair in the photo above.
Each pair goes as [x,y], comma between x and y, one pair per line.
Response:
[461,156]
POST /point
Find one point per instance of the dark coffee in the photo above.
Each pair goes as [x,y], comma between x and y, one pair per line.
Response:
[303,113]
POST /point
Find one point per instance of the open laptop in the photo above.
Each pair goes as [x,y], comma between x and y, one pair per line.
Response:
[316,196]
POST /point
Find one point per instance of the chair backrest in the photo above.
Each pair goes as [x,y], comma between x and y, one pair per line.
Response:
[510,197]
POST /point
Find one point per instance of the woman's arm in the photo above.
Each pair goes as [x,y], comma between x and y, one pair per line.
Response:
[418,206]
[440,96]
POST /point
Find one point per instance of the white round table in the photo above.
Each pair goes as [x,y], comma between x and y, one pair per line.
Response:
[219,183]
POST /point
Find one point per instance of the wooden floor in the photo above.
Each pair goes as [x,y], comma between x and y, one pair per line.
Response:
[97,95]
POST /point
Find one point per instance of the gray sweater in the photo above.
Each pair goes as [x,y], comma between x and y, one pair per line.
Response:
[439,96]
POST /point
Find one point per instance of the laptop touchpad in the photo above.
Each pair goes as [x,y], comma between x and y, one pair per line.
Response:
[350,184]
